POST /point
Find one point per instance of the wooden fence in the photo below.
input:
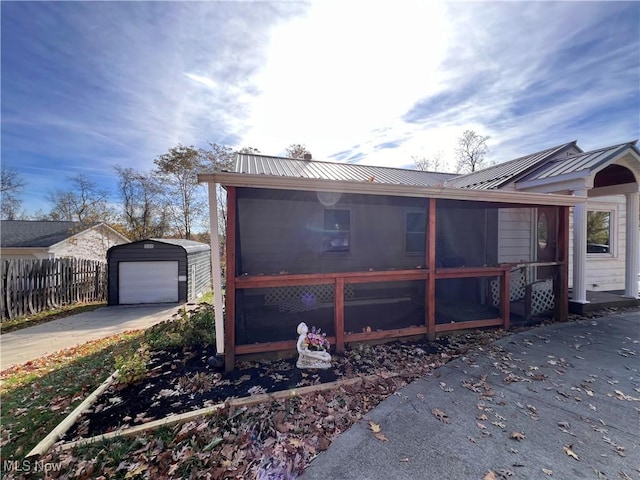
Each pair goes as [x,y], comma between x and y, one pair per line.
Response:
[32,286]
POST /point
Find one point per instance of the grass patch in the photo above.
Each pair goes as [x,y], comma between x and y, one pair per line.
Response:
[43,317]
[38,395]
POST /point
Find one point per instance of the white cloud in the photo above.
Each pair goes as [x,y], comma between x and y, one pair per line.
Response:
[344,70]
[122,82]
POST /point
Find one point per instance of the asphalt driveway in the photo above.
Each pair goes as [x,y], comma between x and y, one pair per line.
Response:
[561,401]
[31,343]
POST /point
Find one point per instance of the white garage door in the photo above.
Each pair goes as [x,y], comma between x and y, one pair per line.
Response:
[147,282]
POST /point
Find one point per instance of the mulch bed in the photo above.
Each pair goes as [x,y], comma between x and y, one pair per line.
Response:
[182,380]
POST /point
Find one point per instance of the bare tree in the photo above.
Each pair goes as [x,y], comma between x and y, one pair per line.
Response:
[177,172]
[249,150]
[434,163]
[11,184]
[296,150]
[143,210]
[470,151]
[85,202]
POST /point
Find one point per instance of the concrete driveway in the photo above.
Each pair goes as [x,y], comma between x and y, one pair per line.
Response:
[569,394]
[34,342]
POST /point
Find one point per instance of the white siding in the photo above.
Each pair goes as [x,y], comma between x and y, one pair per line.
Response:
[514,235]
[605,271]
[92,244]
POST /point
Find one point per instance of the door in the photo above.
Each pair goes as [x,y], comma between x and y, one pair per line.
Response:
[147,282]
[546,240]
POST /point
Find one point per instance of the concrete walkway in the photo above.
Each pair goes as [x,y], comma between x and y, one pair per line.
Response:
[570,392]
[30,343]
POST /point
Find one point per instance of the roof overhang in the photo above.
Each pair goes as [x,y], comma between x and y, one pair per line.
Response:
[580,179]
[228,179]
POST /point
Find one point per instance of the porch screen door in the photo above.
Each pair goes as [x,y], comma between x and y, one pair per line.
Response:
[546,240]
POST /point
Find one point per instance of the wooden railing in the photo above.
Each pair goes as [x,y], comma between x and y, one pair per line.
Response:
[339,280]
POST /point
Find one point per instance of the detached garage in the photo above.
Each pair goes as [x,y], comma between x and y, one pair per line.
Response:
[164,270]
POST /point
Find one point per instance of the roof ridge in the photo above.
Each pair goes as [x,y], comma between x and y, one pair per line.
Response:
[496,165]
[623,144]
[345,163]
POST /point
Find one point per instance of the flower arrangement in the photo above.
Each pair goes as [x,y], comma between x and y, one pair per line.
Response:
[316,340]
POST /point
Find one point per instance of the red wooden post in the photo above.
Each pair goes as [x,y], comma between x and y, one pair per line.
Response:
[430,284]
[338,314]
[230,293]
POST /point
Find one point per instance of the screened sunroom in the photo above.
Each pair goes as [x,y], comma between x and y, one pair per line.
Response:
[371,253]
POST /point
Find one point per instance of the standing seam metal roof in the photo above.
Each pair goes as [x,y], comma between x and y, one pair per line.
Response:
[314,169]
[498,175]
[587,161]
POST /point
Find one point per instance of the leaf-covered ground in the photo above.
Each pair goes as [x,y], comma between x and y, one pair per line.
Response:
[182,380]
[266,441]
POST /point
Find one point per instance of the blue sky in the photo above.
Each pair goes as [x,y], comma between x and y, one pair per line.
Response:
[88,85]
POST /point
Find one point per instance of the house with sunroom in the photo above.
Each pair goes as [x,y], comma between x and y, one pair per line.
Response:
[371,253]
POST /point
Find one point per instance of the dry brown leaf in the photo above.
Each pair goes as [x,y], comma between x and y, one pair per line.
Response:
[440,415]
[381,437]
[482,417]
[519,436]
[491,475]
[374,427]
[571,453]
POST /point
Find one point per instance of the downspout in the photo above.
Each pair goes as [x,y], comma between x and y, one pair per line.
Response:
[216,271]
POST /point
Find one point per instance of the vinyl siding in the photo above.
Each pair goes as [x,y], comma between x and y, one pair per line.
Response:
[605,271]
[514,235]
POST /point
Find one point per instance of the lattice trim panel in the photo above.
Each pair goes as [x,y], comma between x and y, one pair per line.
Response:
[303,298]
[517,287]
[542,297]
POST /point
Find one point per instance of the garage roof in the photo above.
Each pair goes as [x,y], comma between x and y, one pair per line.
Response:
[190,246]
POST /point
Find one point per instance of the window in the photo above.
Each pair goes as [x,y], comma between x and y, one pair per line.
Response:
[415,232]
[336,235]
[599,232]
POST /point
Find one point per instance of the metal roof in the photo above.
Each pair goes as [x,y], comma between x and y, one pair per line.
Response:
[190,246]
[498,175]
[320,170]
[583,162]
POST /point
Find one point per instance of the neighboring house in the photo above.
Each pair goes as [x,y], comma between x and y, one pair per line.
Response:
[36,239]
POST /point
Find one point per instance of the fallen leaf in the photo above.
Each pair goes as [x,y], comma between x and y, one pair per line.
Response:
[570,452]
[546,471]
[519,436]
[381,437]
[375,428]
[137,471]
[440,415]
[490,476]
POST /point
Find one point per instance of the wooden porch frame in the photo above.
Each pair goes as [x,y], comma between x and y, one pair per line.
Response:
[339,279]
